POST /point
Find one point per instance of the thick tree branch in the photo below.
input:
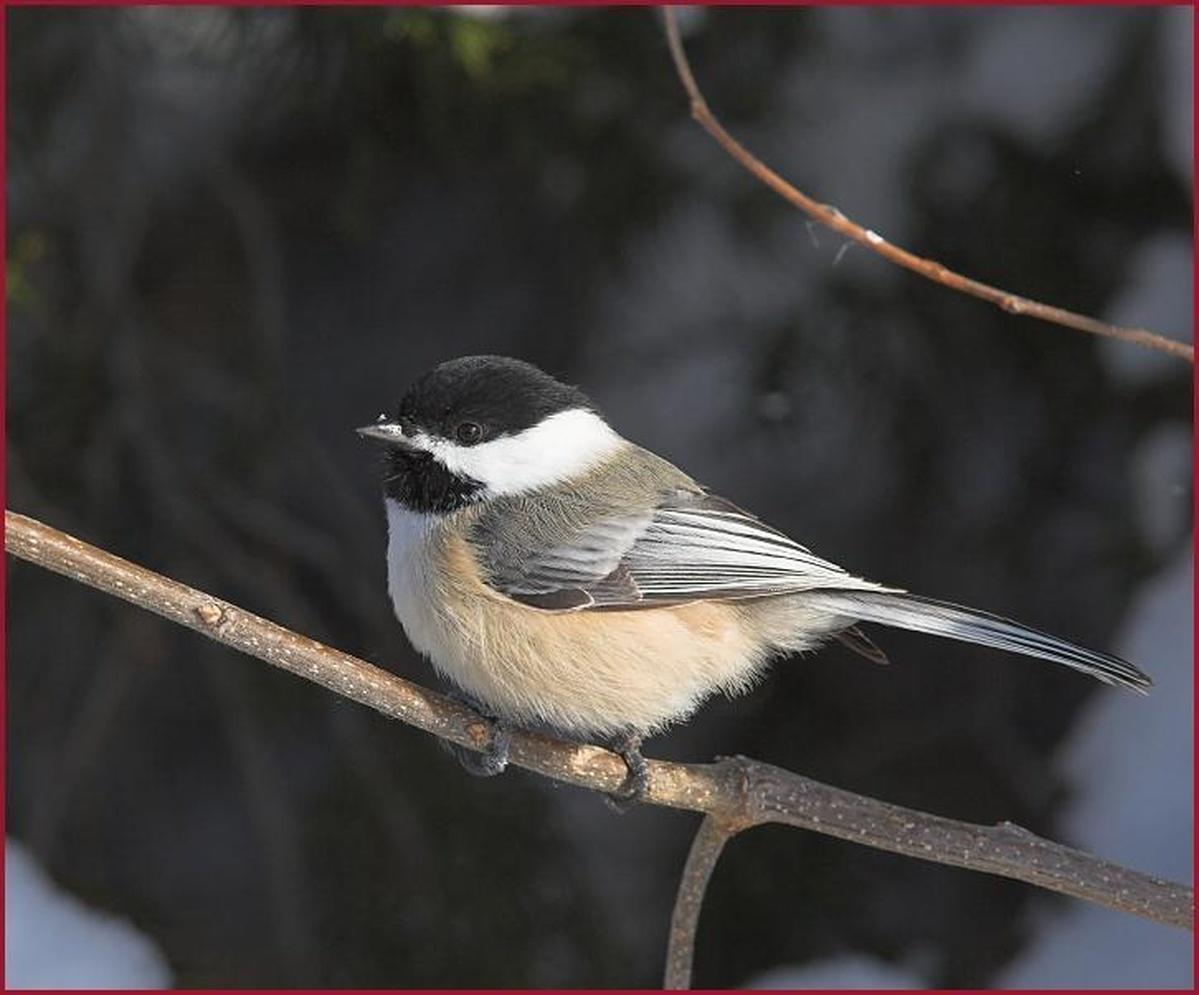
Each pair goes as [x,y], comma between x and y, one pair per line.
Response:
[738,791]
[838,222]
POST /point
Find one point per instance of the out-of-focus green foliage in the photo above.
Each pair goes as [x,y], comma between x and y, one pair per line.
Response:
[29,249]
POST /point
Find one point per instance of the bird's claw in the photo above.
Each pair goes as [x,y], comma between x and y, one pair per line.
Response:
[494,758]
[636,781]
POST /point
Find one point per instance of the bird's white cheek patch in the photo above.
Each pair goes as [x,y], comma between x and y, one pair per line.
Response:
[561,447]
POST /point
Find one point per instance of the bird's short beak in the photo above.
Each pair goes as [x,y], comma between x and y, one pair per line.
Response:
[385,431]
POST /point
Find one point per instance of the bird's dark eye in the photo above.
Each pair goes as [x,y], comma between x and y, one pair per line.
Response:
[469,432]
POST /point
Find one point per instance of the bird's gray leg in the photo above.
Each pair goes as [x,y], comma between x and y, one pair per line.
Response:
[494,759]
[637,780]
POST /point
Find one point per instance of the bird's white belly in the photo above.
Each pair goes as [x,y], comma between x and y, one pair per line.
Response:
[409,538]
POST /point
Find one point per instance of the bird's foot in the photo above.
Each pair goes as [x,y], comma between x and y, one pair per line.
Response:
[636,781]
[494,758]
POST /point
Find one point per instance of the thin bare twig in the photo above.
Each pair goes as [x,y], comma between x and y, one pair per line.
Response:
[838,222]
[737,789]
[706,849]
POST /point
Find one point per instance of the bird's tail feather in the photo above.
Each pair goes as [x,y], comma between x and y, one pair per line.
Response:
[940,618]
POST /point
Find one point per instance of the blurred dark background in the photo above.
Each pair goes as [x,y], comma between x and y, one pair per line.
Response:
[235,234]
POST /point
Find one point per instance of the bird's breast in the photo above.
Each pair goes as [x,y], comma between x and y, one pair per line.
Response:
[582,672]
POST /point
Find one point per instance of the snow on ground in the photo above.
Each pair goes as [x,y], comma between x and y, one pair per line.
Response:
[53,940]
[851,971]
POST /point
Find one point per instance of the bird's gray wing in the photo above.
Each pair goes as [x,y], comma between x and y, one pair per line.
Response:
[691,546]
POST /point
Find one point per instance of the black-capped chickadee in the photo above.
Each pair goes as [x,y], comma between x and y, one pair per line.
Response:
[562,576]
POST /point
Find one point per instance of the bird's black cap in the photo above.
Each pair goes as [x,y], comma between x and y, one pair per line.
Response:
[503,396]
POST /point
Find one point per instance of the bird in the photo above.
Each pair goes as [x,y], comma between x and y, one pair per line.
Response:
[562,577]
